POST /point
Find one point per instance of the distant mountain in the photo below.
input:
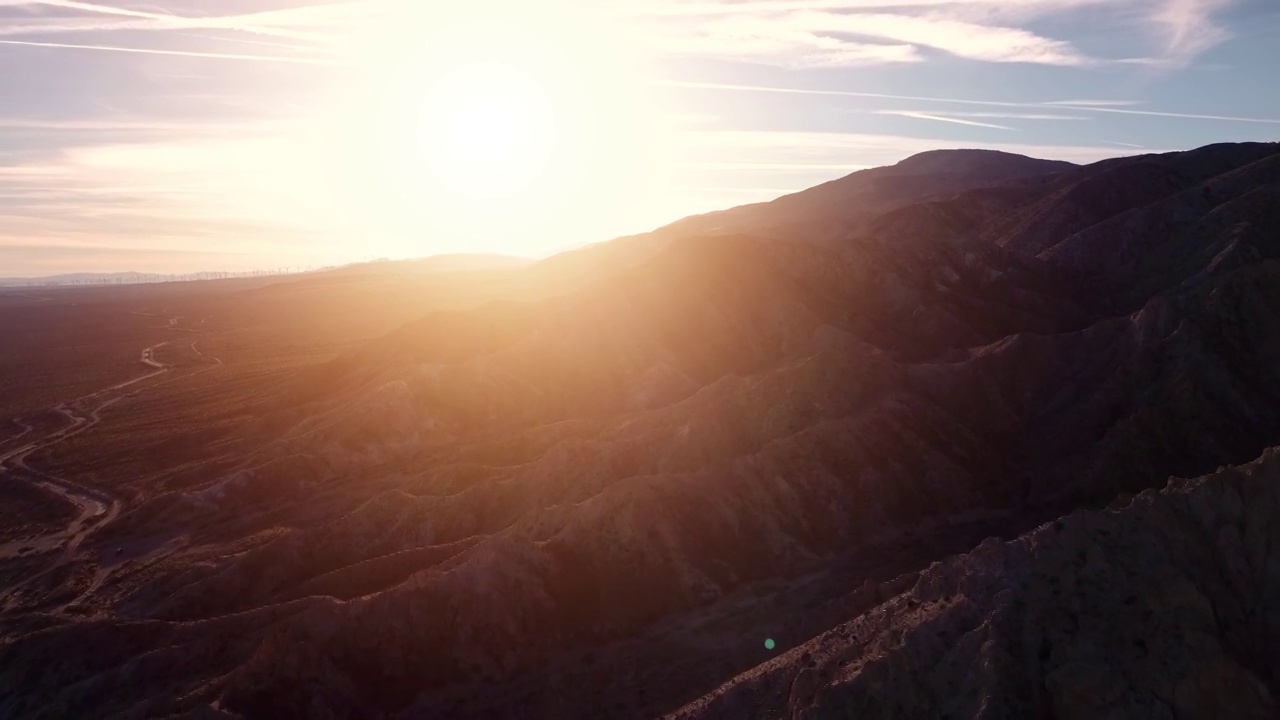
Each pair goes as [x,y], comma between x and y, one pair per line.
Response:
[128,278]
[86,279]
[457,262]
[460,262]
[795,421]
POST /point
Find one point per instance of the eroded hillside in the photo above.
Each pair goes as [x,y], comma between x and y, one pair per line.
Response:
[596,496]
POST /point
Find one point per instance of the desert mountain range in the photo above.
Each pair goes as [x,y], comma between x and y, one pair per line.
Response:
[971,436]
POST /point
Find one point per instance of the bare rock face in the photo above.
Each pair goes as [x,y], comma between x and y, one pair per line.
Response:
[1162,607]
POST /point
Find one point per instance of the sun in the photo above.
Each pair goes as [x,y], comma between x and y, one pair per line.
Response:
[505,126]
[487,130]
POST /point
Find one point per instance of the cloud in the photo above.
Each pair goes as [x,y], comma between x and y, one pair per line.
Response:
[941,118]
[1095,107]
[823,33]
[737,87]
[1013,115]
[282,23]
[790,33]
[83,6]
[687,119]
[677,8]
[1189,27]
[1171,32]
[177,53]
[977,119]
[239,193]
[53,124]
[761,39]
[968,40]
[1094,103]
[1179,115]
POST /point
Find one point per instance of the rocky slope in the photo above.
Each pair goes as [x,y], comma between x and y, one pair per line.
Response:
[1162,606]
[590,501]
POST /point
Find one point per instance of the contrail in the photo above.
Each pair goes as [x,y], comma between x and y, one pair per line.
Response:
[179,53]
[959,101]
[839,93]
[1189,116]
[161,21]
[89,7]
[942,118]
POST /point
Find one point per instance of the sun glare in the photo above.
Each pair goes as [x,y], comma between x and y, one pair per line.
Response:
[487,130]
[515,127]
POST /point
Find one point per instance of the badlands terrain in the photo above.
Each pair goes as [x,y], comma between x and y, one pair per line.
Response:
[972,436]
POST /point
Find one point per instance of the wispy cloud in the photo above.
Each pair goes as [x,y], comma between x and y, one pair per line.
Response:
[740,87]
[991,43]
[252,196]
[177,53]
[799,33]
[83,6]
[678,8]
[1095,107]
[1001,115]
[978,119]
[1095,103]
[764,39]
[1014,115]
[297,23]
[812,34]
[818,32]
[1189,26]
[941,118]
[1180,115]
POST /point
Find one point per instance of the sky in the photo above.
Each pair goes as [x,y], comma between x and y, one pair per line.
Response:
[187,135]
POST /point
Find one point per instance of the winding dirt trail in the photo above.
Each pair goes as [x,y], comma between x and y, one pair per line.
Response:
[96,507]
[26,430]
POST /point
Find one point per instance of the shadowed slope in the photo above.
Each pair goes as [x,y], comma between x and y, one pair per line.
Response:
[1160,608]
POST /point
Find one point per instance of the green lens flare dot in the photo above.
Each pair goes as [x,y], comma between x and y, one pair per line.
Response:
[769,644]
